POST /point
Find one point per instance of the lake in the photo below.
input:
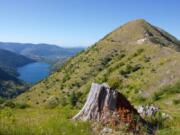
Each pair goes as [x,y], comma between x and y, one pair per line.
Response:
[34,72]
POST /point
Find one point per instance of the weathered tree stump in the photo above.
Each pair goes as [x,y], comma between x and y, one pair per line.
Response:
[108,106]
[104,103]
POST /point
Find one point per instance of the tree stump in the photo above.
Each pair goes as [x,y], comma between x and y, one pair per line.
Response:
[108,106]
[104,102]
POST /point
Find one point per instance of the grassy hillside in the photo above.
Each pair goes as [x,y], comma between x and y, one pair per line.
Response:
[139,68]
[139,59]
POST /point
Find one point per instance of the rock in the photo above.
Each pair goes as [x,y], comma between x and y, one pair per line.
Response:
[141,41]
[151,111]
[106,131]
[166,116]
[52,102]
[147,110]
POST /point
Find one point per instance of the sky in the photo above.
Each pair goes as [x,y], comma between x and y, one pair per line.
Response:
[72,23]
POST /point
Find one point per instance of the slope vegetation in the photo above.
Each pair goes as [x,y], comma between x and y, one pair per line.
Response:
[138,58]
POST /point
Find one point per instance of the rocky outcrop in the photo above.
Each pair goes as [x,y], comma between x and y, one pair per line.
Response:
[108,106]
[151,111]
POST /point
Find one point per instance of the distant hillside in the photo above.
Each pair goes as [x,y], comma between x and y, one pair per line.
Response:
[42,52]
[10,61]
[10,86]
[14,60]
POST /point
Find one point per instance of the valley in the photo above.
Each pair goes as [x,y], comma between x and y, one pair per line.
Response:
[21,69]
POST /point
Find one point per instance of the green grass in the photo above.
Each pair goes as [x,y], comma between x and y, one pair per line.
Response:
[167,91]
[34,121]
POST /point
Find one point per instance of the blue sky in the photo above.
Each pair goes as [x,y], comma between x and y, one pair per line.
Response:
[80,22]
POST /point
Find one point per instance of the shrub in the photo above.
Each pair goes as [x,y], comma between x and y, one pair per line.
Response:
[73,99]
[157,120]
[129,69]
[139,99]
[176,101]
[65,78]
[62,100]
[115,82]
[106,60]
[2,100]
[10,104]
[22,105]
[147,59]
[121,56]
[52,102]
[138,52]
[156,96]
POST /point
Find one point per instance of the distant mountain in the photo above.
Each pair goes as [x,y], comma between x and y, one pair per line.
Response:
[42,52]
[14,60]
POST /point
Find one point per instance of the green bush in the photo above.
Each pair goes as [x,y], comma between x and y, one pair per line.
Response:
[52,102]
[129,69]
[115,82]
[138,52]
[63,100]
[139,99]
[147,59]
[2,100]
[22,105]
[73,99]
[10,104]
[176,101]
[157,120]
[156,96]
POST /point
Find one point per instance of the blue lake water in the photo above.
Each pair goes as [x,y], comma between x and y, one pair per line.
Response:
[34,72]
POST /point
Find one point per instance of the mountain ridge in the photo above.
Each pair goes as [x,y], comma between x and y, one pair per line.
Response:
[140,29]
[40,51]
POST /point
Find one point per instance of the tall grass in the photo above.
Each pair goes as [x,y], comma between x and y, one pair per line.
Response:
[166,91]
[41,122]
